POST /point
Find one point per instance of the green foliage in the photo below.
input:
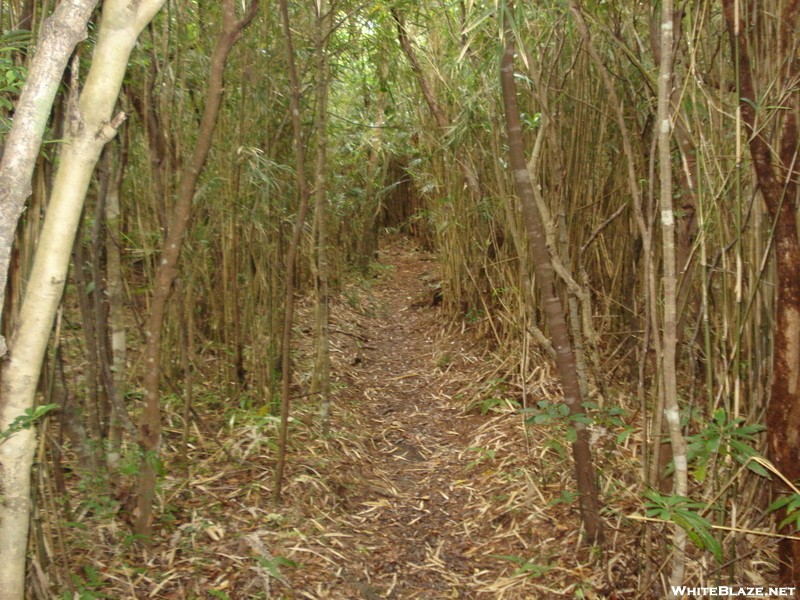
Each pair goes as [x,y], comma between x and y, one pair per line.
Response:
[376,270]
[444,360]
[491,404]
[566,497]
[791,504]
[27,420]
[683,512]
[530,569]
[484,455]
[87,589]
[474,315]
[612,417]
[12,76]
[722,438]
[556,412]
[548,411]
[273,563]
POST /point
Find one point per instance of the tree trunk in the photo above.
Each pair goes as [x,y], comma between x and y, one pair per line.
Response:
[91,126]
[670,281]
[150,420]
[116,310]
[368,242]
[323,367]
[291,254]
[565,361]
[60,34]
[775,162]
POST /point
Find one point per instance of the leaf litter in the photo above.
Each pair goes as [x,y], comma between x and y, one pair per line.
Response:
[416,495]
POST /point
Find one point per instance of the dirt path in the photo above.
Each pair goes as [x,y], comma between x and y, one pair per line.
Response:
[418,546]
[430,502]
[412,497]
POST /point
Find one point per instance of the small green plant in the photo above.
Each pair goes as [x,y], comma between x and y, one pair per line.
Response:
[273,563]
[444,360]
[484,455]
[474,315]
[683,512]
[567,497]
[612,417]
[87,590]
[376,269]
[529,569]
[791,504]
[491,404]
[27,420]
[557,412]
[723,437]
[12,76]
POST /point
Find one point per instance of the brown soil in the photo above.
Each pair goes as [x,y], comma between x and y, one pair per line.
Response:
[417,498]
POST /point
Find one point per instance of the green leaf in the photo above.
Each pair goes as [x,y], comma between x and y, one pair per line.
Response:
[532,569]
[624,436]
[282,560]
[515,559]
[749,430]
[271,568]
[538,418]
[581,418]
[743,99]
[779,503]
[700,473]
[792,517]
[712,444]
[14,37]
[572,435]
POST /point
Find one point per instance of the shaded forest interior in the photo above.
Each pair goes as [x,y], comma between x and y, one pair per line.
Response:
[378,300]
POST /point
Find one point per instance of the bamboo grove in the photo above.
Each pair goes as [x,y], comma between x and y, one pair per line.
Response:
[623,190]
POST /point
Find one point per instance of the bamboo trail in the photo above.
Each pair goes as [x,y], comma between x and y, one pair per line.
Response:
[417,494]
[417,541]
[421,507]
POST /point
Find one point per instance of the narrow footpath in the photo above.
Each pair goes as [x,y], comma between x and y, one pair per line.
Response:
[428,488]
[416,497]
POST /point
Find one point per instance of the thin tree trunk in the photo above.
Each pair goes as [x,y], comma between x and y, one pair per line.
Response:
[150,420]
[91,126]
[91,403]
[323,370]
[116,310]
[670,340]
[368,242]
[291,255]
[186,320]
[565,361]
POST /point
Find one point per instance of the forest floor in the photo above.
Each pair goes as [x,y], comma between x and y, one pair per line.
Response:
[430,487]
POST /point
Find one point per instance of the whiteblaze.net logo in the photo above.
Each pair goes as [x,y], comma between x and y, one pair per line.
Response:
[743,591]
